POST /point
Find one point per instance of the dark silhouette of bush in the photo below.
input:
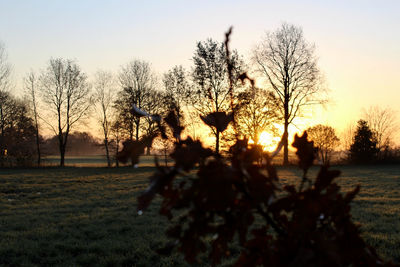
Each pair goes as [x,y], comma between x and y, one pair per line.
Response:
[363,148]
[307,223]
[132,149]
[304,224]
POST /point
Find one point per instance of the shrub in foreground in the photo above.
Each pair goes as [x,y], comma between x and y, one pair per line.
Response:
[303,224]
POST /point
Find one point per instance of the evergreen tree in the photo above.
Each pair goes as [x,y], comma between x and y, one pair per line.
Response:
[364,147]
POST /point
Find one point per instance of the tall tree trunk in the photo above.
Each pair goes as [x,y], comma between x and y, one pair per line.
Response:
[326,158]
[285,145]
[35,113]
[137,129]
[131,131]
[107,152]
[62,155]
[286,133]
[217,142]
[63,145]
[38,146]
[37,136]
[116,151]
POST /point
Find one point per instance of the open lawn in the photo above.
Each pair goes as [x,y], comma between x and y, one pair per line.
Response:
[87,216]
[92,161]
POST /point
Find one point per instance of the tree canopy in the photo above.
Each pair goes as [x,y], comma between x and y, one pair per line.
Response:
[325,140]
[211,84]
[363,149]
[289,65]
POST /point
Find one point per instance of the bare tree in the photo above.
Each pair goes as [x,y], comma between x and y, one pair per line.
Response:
[116,129]
[178,98]
[124,115]
[347,138]
[137,80]
[210,75]
[104,88]
[289,65]
[31,90]
[256,112]
[325,140]
[177,90]
[5,69]
[65,91]
[382,122]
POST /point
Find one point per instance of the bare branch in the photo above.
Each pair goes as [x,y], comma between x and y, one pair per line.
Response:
[288,63]
[65,91]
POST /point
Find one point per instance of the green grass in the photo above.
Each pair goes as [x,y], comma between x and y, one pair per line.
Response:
[76,161]
[93,161]
[87,215]
[376,207]
[77,216]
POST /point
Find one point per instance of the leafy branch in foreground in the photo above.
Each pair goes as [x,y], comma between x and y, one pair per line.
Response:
[239,199]
[309,226]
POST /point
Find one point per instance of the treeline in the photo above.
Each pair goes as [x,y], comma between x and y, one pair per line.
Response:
[63,99]
[239,200]
[370,140]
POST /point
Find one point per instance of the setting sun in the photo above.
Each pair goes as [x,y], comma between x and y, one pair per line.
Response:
[267,140]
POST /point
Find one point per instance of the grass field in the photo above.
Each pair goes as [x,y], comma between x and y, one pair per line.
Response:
[94,161]
[86,215]
[77,161]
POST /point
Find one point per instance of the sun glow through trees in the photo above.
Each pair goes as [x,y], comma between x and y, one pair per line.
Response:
[267,140]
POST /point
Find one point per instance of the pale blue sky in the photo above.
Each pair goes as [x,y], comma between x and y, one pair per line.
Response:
[358,42]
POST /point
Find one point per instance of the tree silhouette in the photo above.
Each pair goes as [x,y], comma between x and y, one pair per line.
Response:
[155,105]
[116,129]
[137,81]
[289,65]
[363,149]
[65,91]
[5,105]
[177,91]
[382,122]
[31,87]
[307,223]
[325,140]
[256,112]
[210,75]
[104,93]
[17,132]
[304,223]
[5,71]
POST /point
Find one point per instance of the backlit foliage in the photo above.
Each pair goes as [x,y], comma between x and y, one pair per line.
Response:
[325,140]
[240,199]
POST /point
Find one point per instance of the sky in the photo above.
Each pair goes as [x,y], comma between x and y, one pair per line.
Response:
[357,41]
